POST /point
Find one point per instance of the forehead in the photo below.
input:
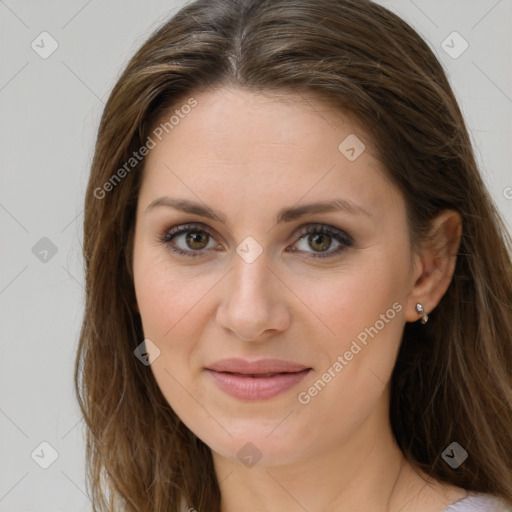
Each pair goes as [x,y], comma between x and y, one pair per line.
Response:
[237,147]
[246,119]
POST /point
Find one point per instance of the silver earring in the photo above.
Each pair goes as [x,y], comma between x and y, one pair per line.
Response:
[421,311]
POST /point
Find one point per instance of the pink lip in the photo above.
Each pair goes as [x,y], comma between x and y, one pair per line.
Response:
[245,379]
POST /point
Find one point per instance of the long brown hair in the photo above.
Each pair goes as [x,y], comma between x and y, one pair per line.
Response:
[453,377]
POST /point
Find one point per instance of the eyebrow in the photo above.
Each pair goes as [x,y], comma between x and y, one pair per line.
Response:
[284,215]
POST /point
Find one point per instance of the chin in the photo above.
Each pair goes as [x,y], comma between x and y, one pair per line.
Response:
[256,443]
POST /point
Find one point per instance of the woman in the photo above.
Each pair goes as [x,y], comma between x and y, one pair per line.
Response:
[298,289]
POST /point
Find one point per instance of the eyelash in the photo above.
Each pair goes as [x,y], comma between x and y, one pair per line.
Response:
[344,239]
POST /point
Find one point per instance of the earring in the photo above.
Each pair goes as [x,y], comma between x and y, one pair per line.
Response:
[421,311]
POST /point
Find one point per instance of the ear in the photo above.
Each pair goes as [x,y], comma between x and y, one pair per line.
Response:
[434,264]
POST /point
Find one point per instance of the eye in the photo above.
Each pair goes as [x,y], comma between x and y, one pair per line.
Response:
[194,239]
[320,238]
[191,240]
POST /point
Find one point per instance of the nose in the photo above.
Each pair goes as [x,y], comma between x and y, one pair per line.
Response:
[254,304]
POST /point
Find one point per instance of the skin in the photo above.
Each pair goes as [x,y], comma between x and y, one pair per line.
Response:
[247,156]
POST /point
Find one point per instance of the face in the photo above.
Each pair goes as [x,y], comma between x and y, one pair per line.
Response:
[230,263]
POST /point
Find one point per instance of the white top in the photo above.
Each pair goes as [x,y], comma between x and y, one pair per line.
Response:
[478,503]
[473,503]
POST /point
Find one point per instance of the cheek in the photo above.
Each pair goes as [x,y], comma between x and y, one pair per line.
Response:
[171,310]
[368,294]
[166,295]
[175,306]
[365,313]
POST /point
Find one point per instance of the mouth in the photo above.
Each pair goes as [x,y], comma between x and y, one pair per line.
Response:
[258,380]
[257,368]
[257,375]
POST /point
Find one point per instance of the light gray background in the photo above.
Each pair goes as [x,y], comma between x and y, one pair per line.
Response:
[50,110]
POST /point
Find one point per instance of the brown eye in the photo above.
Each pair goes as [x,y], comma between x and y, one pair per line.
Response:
[319,242]
[197,239]
[318,239]
[191,240]
[188,240]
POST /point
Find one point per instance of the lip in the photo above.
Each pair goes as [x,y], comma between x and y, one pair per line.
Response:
[261,366]
[250,380]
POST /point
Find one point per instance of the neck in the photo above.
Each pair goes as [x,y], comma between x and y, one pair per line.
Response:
[364,471]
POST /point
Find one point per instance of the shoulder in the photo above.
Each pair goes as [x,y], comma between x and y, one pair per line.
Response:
[478,502]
